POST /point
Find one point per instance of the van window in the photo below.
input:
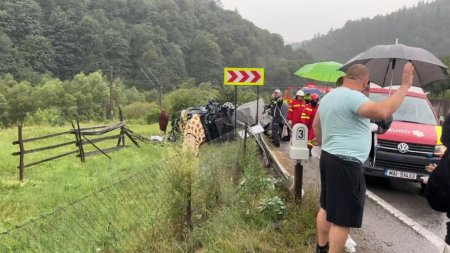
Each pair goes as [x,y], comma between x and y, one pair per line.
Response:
[413,109]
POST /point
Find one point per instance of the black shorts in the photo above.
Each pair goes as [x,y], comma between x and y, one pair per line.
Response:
[343,190]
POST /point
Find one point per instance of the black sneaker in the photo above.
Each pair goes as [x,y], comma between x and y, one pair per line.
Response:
[323,249]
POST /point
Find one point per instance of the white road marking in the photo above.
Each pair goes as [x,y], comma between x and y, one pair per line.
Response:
[431,237]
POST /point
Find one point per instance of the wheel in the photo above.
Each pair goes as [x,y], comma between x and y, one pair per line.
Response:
[422,188]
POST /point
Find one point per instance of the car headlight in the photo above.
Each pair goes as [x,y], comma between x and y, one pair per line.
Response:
[439,150]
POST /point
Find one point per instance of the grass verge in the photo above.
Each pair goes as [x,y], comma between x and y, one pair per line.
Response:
[222,201]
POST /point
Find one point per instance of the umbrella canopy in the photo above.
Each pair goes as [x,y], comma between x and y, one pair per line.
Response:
[321,71]
[386,62]
[312,90]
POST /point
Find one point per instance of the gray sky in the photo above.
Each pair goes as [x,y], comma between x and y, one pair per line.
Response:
[298,20]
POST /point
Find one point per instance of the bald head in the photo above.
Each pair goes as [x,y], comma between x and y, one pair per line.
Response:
[357,78]
[357,72]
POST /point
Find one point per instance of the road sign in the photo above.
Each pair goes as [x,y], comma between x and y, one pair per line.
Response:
[244,76]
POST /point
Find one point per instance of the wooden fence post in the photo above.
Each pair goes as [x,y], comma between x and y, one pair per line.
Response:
[245,137]
[81,143]
[189,202]
[22,155]
[77,133]
[122,130]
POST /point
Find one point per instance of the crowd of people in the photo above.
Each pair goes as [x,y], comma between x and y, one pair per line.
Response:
[286,114]
[342,127]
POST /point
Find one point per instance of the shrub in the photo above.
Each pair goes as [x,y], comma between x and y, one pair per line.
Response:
[142,110]
[184,98]
[51,116]
[272,208]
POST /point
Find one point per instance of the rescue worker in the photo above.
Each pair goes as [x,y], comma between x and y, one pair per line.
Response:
[309,114]
[277,110]
[307,98]
[296,108]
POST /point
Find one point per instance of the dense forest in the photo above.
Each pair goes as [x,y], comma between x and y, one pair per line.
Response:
[175,39]
[59,57]
[425,25]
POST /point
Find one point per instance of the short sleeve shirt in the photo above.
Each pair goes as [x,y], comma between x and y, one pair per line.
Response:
[344,132]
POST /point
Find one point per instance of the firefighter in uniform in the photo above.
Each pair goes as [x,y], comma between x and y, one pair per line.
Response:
[296,108]
[309,113]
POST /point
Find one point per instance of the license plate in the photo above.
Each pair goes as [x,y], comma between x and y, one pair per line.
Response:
[400,174]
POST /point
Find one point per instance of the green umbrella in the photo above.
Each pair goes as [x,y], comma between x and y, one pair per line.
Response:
[321,71]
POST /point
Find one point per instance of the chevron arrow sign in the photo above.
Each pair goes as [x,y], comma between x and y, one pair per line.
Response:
[244,76]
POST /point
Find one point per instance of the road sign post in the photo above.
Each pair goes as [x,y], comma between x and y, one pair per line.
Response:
[257,105]
[244,77]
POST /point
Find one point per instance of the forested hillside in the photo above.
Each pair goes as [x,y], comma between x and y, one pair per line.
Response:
[175,39]
[426,25]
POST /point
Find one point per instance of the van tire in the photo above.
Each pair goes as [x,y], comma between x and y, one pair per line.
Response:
[422,188]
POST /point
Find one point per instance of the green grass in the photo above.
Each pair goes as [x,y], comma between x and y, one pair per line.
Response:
[229,217]
[231,201]
[55,183]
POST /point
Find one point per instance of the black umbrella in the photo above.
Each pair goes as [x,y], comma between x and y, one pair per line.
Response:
[386,62]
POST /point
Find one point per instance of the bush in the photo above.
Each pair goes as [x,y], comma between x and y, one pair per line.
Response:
[182,99]
[51,116]
[142,110]
[245,95]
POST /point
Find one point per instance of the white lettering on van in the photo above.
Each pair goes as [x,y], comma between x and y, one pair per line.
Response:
[417,133]
[400,131]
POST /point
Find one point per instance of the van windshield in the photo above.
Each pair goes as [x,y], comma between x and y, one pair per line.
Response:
[413,109]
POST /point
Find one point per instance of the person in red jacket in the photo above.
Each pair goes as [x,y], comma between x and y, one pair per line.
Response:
[163,121]
[309,113]
[296,108]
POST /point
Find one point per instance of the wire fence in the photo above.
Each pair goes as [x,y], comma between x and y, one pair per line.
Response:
[145,212]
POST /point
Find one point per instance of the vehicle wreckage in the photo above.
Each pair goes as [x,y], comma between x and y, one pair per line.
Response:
[215,122]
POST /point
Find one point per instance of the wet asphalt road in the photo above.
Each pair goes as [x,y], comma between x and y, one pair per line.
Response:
[405,197]
[382,232]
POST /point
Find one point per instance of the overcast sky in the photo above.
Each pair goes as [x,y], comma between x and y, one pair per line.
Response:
[298,20]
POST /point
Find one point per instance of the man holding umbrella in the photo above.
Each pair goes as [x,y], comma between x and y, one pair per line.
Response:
[342,127]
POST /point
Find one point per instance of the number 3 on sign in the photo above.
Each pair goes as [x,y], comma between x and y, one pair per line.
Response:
[301,133]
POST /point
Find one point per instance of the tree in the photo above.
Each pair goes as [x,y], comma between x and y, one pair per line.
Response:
[61,31]
[117,49]
[280,76]
[19,18]
[90,38]
[177,39]
[3,110]
[19,102]
[37,53]
[205,62]
[9,55]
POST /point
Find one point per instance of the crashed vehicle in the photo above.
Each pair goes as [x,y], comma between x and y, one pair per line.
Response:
[204,123]
[412,141]
[214,121]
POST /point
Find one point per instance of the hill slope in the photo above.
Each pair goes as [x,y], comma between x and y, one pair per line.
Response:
[426,25]
[177,39]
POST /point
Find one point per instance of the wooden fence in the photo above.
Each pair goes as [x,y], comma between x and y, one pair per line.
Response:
[80,141]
